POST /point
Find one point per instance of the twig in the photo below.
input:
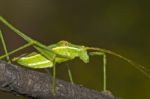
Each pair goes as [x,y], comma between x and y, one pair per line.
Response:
[32,83]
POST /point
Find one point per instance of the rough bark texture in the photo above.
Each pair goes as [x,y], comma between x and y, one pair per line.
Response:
[31,83]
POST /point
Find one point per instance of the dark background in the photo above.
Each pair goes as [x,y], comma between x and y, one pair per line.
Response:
[119,25]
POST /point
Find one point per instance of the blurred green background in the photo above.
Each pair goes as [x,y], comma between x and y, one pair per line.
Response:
[122,26]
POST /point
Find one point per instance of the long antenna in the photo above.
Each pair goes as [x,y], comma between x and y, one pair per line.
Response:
[139,67]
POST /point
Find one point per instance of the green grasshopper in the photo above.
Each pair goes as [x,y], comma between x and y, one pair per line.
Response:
[63,51]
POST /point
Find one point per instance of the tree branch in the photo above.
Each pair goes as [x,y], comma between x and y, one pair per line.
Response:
[32,83]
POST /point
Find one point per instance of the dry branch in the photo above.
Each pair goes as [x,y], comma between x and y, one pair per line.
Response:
[31,83]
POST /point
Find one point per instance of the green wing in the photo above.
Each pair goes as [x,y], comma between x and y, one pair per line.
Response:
[34,60]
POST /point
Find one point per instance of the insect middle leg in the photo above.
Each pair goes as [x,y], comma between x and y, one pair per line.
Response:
[70,74]
[54,79]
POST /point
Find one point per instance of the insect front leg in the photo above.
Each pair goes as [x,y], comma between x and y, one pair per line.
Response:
[104,68]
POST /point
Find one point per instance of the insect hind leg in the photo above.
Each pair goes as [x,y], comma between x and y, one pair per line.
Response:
[4,46]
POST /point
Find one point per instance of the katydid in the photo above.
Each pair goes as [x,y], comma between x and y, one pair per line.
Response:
[41,48]
[48,56]
[37,60]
